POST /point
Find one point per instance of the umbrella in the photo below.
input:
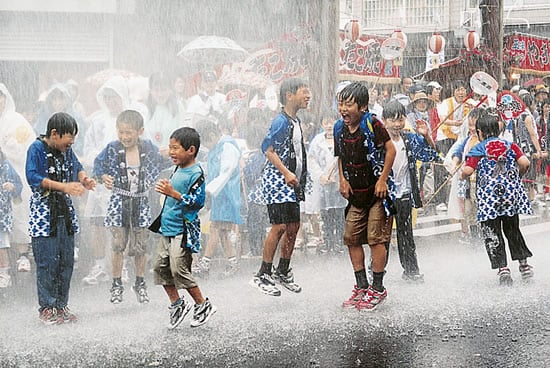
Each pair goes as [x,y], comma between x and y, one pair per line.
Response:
[103,76]
[245,78]
[212,50]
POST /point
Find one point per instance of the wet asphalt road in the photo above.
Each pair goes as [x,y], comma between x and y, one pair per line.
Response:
[459,317]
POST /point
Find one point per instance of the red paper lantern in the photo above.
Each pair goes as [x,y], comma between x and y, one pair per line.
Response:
[436,43]
[471,40]
[352,30]
[401,35]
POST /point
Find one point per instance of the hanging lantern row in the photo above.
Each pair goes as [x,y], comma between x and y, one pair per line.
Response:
[436,43]
[401,35]
[471,40]
[352,30]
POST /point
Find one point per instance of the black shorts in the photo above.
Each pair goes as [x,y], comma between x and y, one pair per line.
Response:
[284,213]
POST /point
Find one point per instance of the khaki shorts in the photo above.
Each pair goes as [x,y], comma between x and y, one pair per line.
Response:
[136,238]
[367,226]
[172,263]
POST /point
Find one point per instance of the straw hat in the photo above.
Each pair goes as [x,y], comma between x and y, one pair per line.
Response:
[540,88]
[421,96]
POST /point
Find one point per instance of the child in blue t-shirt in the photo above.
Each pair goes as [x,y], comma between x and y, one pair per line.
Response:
[180,230]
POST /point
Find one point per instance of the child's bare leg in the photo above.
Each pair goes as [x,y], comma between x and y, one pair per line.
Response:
[196,294]
[117,259]
[140,262]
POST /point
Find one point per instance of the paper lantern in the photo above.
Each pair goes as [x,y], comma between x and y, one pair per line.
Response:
[471,40]
[436,43]
[401,35]
[352,30]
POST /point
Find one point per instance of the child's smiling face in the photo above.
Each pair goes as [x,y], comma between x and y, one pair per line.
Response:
[351,112]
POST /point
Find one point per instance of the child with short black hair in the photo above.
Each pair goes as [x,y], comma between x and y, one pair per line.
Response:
[180,229]
[129,168]
[365,157]
[54,174]
[283,187]
[410,148]
[501,196]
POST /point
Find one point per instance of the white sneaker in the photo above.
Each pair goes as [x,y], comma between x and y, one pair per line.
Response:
[23,264]
[5,280]
[96,275]
[442,207]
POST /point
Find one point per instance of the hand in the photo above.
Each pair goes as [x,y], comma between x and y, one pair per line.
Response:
[381,189]
[74,188]
[291,179]
[8,186]
[422,127]
[164,186]
[88,183]
[108,181]
[345,189]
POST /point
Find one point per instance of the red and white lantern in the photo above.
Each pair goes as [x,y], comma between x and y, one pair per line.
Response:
[436,43]
[471,40]
[352,30]
[401,35]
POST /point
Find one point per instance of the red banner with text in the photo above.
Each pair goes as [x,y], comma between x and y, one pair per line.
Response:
[361,60]
[528,53]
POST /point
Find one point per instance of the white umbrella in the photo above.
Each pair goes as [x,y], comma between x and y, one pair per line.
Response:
[212,50]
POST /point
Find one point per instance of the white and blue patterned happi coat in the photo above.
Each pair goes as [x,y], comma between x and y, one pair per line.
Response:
[500,191]
[36,170]
[107,162]
[8,175]
[274,188]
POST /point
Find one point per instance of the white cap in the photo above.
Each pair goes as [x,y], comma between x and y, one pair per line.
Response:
[435,84]
[515,88]
[523,92]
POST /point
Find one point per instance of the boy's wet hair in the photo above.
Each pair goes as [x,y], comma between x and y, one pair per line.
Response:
[356,92]
[487,123]
[475,113]
[63,123]
[393,110]
[206,127]
[187,137]
[291,85]
[131,117]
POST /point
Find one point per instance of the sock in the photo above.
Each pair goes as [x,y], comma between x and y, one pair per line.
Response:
[117,281]
[522,262]
[139,280]
[265,268]
[361,279]
[232,260]
[284,266]
[377,281]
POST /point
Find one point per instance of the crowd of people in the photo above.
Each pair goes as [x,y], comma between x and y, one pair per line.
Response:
[270,181]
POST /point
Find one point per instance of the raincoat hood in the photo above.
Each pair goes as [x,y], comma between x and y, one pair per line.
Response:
[60,87]
[10,105]
[117,84]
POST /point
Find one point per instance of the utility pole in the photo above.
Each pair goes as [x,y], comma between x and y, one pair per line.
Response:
[492,33]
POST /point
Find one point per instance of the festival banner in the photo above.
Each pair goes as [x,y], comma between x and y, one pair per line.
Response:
[528,54]
[361,60]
